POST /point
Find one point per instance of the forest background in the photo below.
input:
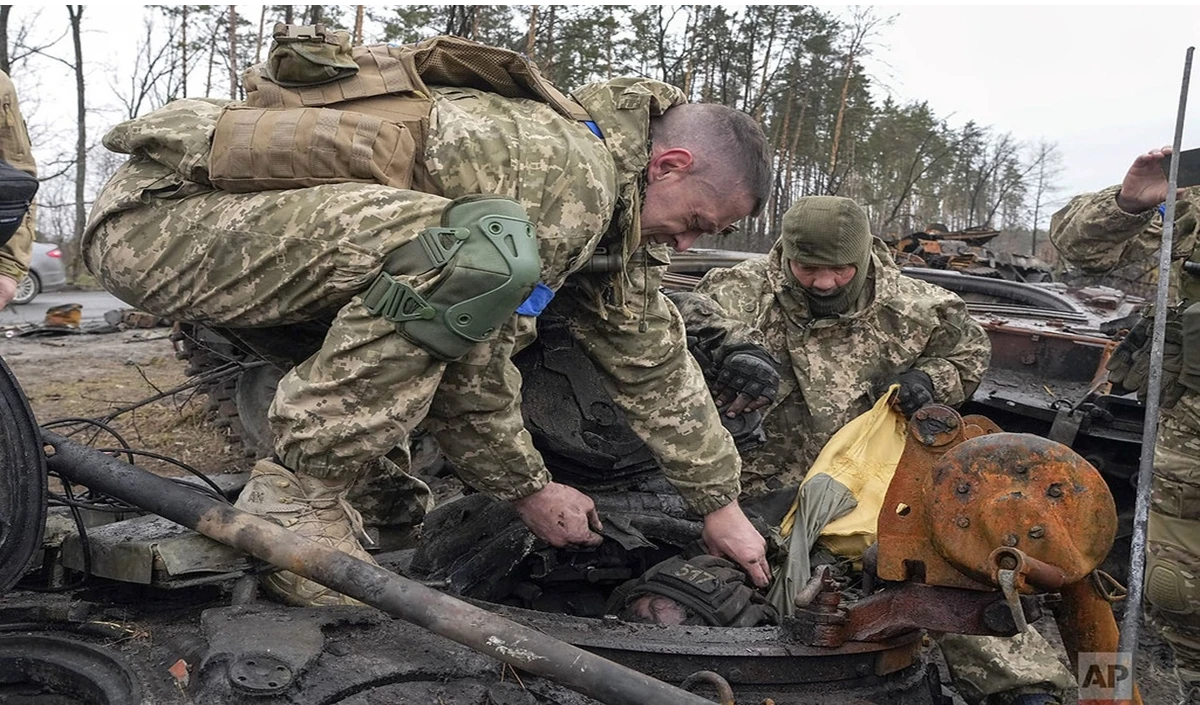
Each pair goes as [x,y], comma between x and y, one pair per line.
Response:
[799,69]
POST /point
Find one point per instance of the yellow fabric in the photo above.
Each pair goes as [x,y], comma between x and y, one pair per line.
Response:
[862,456]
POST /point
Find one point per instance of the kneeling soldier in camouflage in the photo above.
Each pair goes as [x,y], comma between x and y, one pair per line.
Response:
[420,197]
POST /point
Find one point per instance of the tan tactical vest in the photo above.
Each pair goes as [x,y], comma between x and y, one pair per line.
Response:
[318,111]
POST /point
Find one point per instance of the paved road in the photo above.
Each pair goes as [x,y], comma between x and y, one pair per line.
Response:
[95,305]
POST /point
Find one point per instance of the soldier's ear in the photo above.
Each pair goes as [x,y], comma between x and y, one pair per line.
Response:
[670,163]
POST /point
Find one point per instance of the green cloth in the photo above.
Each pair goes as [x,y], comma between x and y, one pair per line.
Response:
[828,231]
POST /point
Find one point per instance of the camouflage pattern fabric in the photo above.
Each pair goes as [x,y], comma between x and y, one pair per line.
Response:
[833,368]
[1173,537]
[15,149]
[1093,233]
[162,240]
[832,371]
[994,671]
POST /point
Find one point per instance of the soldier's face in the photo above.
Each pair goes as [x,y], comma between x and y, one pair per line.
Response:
[680,206]
[822,281]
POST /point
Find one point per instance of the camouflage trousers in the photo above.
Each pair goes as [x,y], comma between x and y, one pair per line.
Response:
[1173,539]
[272,258]
[995,670]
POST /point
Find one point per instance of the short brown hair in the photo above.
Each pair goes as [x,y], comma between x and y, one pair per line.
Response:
[732,147]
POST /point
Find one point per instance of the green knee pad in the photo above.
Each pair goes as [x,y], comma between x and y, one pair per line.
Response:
[1173,568]
[487,254]
[1168,588]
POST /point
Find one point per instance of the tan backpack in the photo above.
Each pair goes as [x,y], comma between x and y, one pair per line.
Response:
[319,111]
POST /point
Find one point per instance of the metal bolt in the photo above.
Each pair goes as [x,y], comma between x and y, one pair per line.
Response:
[1008,562]
[1010,540]
[1055,491]
[963,522]
[1037,532]
[964,487]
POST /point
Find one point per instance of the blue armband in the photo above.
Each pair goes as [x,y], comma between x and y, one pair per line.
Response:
[537,301]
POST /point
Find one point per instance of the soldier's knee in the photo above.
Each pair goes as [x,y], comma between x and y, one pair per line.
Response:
[486,256]
[1173,564]
[1168,586]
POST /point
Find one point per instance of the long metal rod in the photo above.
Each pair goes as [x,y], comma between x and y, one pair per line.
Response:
[483,631]
[1132,621]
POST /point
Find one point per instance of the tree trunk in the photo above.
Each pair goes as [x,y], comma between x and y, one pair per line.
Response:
[262,24]
[212,62]
[75,12]
[287,14]
[359,11]
[531,35]
[233,62]
[183,50]
[4,11]
[841,113]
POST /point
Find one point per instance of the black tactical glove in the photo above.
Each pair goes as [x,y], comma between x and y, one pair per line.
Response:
[916,390]
[713,591]
[747,369]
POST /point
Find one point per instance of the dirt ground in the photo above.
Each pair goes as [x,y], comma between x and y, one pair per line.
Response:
[93,376]
[97,375]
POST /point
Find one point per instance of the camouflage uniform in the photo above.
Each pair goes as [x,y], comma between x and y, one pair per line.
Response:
[162,239]
[15,149]
[1092,232]
[832,369]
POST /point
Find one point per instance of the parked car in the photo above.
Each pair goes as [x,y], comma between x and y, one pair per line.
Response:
[46,273]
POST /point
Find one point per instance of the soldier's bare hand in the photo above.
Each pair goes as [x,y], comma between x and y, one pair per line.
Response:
[8,289]
[1145,184]
[561,516]
[729,534]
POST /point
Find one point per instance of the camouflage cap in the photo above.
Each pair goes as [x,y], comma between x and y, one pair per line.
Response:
[826,231]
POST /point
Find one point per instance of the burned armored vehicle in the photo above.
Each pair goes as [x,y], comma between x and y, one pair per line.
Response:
[147,608]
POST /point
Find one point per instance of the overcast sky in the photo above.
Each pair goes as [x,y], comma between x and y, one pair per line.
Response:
[1101,82]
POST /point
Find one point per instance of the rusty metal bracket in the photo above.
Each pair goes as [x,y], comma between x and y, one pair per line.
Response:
[904,608]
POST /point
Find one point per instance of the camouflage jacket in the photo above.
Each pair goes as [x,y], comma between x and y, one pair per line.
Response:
[832,369]
[15,149]
[578,200]
[1093,233]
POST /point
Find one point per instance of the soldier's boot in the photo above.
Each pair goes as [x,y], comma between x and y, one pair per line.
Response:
[314,508]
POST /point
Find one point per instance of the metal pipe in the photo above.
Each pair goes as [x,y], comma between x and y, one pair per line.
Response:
[1132,621]
[483,631]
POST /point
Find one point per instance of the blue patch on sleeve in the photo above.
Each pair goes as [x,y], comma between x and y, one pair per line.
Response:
[1162,209]
[594,128]
[537,301]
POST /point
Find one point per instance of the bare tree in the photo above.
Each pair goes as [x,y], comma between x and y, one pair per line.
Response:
[75,12]
[262,22]
[865,26]
[1047,166]
[233,60]
[4,13]
[152,69]
[358,24]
